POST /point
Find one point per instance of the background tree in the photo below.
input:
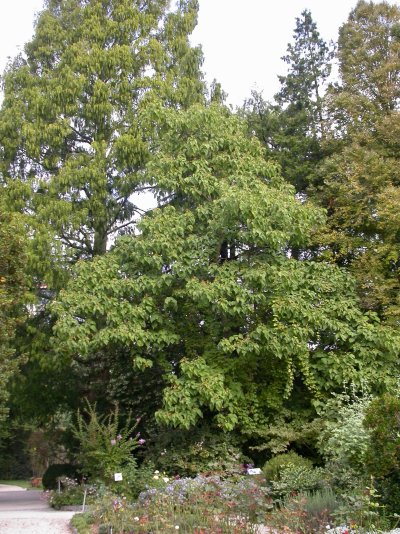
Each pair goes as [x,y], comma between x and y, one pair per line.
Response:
[293,129]
[361,178]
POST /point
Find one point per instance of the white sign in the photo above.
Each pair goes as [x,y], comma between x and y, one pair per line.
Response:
[117,477]
[254,471]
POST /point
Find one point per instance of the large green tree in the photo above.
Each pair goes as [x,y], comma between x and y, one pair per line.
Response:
[73,148]
[208,292]
[361,178]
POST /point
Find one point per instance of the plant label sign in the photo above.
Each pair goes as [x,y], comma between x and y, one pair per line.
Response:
[117,477]
[254,471]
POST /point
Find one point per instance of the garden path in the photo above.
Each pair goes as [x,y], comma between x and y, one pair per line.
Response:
[27,511]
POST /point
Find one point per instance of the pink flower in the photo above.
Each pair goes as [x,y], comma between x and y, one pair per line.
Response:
[141,441]
[119,437]
[113,442]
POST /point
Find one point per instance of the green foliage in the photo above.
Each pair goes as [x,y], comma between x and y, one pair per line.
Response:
[83,523]
[207,290]
[105,446]
[292,129]
[200,450]
[344,441]
[71,494]
[56,471]
[359,181]
[298,478]
[13,297]
[305,512]
[73,145]
[382,420]
[289,473]
[362,509]
[274,467]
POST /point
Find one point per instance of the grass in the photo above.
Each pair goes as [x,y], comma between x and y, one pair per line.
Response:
[21,483]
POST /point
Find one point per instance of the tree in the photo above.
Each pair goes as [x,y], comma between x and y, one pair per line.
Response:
[294,127]
[360,185]
[73,150]
[208,292]
[13,298]
[368,54]
[73,147]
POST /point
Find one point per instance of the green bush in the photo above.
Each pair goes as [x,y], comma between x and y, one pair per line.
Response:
[55,471]
[299,478]
[344,441]
[83,523]
[274,467]
[382,420]
[200,450]
[105,445]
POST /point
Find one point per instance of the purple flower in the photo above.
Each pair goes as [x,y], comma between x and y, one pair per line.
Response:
[141,441]
[113,442]
[119,437]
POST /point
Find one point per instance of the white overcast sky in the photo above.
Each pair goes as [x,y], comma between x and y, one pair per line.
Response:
[243,40]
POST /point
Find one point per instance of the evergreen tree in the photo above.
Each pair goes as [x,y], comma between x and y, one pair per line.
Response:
[293,128]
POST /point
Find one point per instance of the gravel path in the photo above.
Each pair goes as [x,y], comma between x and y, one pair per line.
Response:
[28,512]
[35,522]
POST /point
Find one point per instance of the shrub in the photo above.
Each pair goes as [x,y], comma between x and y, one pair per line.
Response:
[382,420]
[305,512]
[274,467]
[106,446]
[344,442]
[55,471]
[201,450]
[83,523]
[300,478]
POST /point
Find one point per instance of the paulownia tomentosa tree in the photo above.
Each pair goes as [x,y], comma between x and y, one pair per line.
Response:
[73,148]
[244,332]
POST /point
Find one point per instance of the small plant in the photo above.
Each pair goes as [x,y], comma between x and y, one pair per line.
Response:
[105,446]
[83,523]
[276,465]
[72,494]
[298,479]
[307,513]
[362,510]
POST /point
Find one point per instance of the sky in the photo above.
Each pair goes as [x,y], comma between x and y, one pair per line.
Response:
[242,40]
